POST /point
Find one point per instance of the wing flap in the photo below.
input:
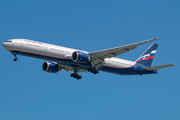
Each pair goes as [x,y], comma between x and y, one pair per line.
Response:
[159,67]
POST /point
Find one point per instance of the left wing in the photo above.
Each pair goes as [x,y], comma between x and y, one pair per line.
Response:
[99,56]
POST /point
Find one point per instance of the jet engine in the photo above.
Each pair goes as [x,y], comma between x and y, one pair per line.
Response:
[80,57]
[50,67]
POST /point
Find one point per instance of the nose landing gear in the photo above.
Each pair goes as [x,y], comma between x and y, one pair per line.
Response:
[15,55]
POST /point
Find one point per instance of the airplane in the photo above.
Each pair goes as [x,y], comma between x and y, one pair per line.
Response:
[62,58]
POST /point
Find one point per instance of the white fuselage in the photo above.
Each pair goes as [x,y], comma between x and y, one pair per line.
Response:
[39,48]
[63,56]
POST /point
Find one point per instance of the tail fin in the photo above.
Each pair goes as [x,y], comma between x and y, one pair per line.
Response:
[147,57]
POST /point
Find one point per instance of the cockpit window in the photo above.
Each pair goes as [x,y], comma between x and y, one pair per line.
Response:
[8,41]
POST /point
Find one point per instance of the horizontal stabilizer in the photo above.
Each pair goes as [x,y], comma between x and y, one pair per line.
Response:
[159,67]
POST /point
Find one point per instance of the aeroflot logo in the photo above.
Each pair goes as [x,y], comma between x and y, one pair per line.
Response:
[147,56]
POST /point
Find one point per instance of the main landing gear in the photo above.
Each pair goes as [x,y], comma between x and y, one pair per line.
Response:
[75,74]
[93,70]
[15,55]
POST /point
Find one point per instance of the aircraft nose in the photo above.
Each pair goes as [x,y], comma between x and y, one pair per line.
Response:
[4,44]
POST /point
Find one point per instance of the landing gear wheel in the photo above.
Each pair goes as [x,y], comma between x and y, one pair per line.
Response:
[89,69]
[93,70]
[79,77]
[72,75]
[96,72]
[76,76]
[15,59]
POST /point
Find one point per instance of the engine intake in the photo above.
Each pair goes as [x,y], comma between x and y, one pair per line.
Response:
[81,57]
[50,67]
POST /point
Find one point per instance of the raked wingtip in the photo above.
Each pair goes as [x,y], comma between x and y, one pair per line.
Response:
[156,38]
[173,64]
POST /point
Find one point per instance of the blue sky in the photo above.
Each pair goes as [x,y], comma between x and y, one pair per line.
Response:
[27,92]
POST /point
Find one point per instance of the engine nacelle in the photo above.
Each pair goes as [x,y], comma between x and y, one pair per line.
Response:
[50,67]
[81,57]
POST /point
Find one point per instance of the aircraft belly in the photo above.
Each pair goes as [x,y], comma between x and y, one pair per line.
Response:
[64,61]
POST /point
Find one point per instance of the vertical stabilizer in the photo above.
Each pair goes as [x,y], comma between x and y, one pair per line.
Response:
[147,57]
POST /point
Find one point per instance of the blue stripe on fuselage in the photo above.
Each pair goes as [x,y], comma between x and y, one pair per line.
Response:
[136,69]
